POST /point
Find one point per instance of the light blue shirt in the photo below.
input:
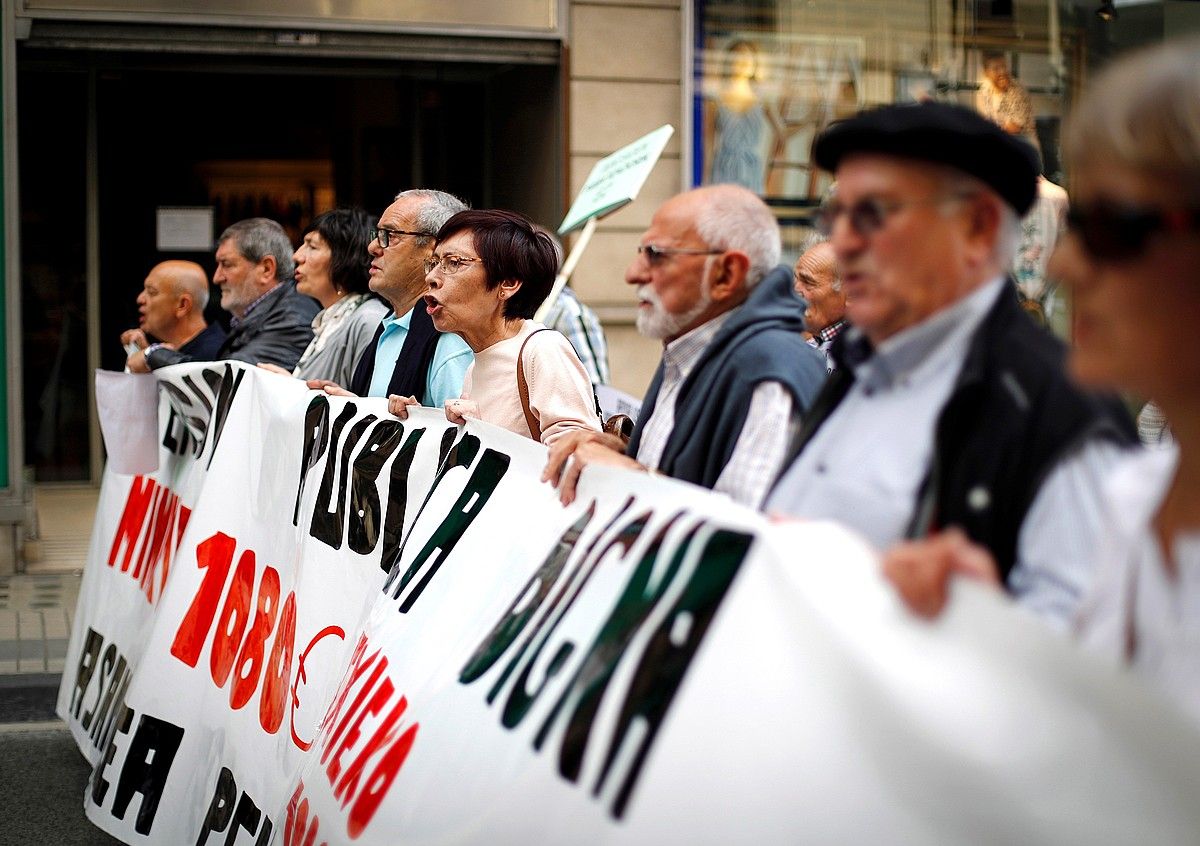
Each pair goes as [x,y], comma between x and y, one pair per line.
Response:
[451,358]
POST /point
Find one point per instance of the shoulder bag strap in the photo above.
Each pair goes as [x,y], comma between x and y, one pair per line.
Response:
[535,431]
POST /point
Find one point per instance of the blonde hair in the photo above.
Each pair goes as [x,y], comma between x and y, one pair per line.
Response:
[1142,112]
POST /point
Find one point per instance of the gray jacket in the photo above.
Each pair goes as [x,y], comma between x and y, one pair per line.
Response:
[277,331]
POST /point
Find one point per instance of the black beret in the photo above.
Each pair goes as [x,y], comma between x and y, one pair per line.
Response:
[943,134]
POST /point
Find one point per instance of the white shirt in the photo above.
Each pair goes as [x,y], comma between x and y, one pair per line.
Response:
[762,443]
[1139,613]
[864,465]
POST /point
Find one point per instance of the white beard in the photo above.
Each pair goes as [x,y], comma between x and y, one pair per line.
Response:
[658,323]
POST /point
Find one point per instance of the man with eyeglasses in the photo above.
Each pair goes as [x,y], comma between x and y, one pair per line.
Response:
[736,372]
[408,357]
[948,407]
[272,322]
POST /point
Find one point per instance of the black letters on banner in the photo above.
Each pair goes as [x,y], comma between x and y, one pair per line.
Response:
[660,667]
[363,533]
[316,439]
[147,764]
[221,813]
[326,527]
[479,488]
[229,385]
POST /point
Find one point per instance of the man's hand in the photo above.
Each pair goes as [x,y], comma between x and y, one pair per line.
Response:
[136,337]
[458,410]
[332,389]
[576,450]
[274,368]
[921,570]
[398,405]
[137,362]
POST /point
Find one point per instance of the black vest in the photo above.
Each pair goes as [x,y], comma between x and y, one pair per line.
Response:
[411,371]
[1012,416]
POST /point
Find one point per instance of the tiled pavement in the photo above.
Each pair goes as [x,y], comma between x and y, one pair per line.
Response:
[37,606]
[35,621]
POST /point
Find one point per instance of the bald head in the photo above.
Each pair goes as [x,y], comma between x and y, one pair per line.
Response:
[171,305]
[819,282]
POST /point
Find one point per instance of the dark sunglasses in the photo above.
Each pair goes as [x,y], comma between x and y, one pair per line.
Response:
[870,214]
[1112,232]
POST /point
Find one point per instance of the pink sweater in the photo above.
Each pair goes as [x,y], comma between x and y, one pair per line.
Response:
[560,393]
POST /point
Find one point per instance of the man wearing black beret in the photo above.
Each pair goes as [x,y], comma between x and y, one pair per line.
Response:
[949,407]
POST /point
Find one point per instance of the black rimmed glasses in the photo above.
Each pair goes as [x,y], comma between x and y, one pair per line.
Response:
[449,264]
[870,214]
[384,236]
[1119,231]
[655,255]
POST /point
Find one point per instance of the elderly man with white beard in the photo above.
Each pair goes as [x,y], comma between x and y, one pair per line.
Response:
[735,375]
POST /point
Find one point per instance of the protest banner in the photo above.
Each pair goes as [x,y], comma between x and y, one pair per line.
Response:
[376,631]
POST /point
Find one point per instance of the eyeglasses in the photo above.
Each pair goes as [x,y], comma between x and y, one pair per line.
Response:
[657,255]
[870,214]
[449,264]
[384,236]
[1114,232]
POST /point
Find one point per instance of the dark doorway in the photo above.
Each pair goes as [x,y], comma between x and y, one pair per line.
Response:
[278,138]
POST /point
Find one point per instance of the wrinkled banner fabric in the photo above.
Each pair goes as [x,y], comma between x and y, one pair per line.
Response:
[316,623]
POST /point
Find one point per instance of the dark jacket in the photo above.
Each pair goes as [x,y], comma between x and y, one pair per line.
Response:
[277,331]
[410,370]
[1012,415]
[206,345]
[760,342]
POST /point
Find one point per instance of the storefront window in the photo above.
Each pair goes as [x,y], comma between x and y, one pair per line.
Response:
[769,75]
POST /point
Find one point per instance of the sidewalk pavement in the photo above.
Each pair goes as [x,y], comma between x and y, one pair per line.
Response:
[37,606]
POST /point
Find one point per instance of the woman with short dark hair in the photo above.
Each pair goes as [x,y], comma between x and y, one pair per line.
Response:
[489,272]
[331,267]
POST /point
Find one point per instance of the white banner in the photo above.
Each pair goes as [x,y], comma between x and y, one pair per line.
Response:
[653,664]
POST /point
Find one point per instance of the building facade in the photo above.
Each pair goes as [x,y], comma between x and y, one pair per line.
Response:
[127,124]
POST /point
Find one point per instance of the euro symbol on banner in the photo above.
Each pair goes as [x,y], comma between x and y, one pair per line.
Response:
[301,676]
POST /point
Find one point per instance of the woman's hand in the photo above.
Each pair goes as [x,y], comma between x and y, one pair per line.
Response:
[398,405]
[458,410]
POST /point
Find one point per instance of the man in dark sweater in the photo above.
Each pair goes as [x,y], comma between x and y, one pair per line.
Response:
[736,373]
[948,407]
[171,310]
[272,323]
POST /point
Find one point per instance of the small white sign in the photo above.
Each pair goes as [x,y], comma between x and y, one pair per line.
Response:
[184,229]
[616,179]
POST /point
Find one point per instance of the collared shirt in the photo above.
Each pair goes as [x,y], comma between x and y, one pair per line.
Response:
[451,358]
[864,465]
[582,328]
[235,322]
[1141,611]
[824,339]
[762,443]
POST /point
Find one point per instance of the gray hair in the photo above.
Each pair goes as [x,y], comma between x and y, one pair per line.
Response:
[816,239]
[436,208]
[259,237]
[736,219]
[1142,112]
[1008,236]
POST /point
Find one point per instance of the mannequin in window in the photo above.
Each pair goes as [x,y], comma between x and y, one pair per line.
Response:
[739,121]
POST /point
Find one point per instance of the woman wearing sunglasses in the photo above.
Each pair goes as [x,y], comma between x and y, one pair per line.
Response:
[489,272]
[1131,260]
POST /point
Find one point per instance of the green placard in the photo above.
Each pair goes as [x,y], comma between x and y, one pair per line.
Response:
[616,179]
